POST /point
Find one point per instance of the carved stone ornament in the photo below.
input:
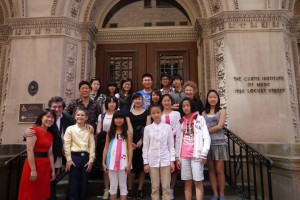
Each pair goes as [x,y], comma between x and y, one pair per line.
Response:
[291,89]
[168,34]
[33,88]
[70,68]
[75,7]
[219,57]
[246,21]
[215,6]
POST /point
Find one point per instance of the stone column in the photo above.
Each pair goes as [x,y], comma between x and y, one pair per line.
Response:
[251,58]
[54,52]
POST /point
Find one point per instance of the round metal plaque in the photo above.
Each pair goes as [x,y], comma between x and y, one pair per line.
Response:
[33,88]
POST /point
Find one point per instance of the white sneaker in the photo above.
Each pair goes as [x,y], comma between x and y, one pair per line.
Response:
[106,194]
[172,193]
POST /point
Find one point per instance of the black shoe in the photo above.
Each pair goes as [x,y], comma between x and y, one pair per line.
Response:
[129,194]
[139,194]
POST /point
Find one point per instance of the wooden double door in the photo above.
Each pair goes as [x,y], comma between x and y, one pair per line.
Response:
[116,61]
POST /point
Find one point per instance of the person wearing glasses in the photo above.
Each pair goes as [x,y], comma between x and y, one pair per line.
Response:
[63,120]
[166,86]
[147,81]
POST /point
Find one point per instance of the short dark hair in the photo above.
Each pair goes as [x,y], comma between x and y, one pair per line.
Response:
[155,106]
[114,84]
[176,76]
[136,95]
[164,75]
[192,104]
[110,99]
[147,75]
[56,99]
[44,112]
[81,83]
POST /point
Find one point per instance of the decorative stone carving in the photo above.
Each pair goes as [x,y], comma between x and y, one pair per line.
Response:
[70,69]
[236,5]
[268,4]
[290,74]
[53,9]
[5,86]
[75,7]
[215,6]
[291,5]
[297,73]
[207,65]
[169,34]
[219,58]
[283,4]
[58,26]
[245,21]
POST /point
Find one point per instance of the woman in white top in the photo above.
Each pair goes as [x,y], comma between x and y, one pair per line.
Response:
[171,117]
[103,126]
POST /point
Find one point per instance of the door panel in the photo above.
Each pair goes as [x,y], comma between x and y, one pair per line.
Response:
[116,61]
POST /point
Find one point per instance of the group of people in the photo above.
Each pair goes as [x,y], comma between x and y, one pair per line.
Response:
[164,132]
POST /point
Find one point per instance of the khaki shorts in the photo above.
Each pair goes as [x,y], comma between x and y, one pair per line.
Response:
[191,169]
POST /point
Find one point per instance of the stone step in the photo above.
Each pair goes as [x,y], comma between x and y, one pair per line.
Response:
[95,189]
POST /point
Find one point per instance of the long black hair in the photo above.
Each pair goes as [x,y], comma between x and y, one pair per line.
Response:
[98,92]
[113,127]
[158,93]
[44,112]
[207,105]
[192,104]
[124,80]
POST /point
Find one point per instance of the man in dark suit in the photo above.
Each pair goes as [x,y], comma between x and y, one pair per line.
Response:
[63,120]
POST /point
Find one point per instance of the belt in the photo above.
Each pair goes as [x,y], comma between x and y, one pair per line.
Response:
[40,154]
[82,153]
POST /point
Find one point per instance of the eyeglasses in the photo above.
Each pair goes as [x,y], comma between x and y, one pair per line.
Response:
[56,107]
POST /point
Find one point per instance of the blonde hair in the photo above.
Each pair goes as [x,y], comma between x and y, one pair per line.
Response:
[193,85]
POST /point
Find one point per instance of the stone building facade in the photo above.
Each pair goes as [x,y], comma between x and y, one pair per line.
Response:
[247,50]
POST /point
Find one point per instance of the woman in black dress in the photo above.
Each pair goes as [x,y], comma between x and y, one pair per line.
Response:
[137,117]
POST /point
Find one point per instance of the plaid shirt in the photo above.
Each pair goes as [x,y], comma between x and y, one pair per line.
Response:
[92,108]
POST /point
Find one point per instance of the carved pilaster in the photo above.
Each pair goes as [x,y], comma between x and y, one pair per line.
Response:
[196,4]
[5,65]
[219,59]
[291,5]
[236,5]
[291,89]
[71,49]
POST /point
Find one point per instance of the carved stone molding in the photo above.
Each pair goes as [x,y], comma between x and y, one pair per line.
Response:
[75,8]
[246,21]
[5,89]
[215,6]
[207,65]
[4,33]
[53,9]
[297,75]
[146,35]
[219,59]
[236,5]
[291,5]
[58,26]
[196,4]
[283,4]
[291,88]
[71,50]
[95,9]
[268,4]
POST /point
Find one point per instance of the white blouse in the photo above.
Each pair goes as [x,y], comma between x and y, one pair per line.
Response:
[158,145]
[174,120]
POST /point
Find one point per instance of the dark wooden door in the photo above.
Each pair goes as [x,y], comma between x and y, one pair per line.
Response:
[116,61]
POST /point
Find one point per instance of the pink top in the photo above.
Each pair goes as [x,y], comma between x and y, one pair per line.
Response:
[187,148]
